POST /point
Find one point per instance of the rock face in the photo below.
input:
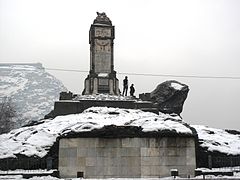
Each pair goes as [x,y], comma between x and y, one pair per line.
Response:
[170,96]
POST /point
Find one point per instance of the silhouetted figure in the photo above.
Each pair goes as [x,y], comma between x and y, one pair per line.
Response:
[132,90]
[125,86]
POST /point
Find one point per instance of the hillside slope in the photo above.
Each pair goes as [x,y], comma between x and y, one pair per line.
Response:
[219,140]
[31,89]
[37,140]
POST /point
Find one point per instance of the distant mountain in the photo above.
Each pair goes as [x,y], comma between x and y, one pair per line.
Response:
[31,89]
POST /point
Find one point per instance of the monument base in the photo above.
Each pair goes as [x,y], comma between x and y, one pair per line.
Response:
[101,83]
[80,103]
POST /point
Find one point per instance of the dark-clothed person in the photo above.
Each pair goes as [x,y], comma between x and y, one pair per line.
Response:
[132,90]
[125,86]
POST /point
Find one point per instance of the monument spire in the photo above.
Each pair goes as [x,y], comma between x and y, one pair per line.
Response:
[102,77]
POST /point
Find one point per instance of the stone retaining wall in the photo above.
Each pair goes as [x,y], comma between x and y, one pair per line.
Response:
[126,157]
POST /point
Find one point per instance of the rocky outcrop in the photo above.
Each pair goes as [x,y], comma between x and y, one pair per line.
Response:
[169,96]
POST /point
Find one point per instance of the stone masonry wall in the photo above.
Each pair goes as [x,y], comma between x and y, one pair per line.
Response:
[126,157]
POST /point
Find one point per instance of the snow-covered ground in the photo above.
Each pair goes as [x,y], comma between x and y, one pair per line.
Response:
[218,140]
[19,177]
[31,88]
[37,140]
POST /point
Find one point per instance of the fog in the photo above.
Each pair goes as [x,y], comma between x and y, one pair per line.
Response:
[170,37]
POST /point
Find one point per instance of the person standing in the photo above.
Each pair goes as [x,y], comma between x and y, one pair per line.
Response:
[125,86]
[132,90]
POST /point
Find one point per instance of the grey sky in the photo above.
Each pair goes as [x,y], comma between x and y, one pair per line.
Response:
[180,37]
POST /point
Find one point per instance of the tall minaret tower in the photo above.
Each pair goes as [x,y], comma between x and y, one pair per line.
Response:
[102,77]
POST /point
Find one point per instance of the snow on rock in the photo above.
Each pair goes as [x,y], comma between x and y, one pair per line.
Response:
[177,86]
[218,140]
[31,88]
[37,140]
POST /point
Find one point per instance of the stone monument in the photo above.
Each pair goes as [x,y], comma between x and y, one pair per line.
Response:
[102,77]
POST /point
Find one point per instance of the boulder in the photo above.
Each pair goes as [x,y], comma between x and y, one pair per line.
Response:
[169,96]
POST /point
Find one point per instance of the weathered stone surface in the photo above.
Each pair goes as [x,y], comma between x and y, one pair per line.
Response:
[146,157]
[170,96]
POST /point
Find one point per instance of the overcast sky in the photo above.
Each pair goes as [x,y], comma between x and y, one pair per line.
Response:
[177,37]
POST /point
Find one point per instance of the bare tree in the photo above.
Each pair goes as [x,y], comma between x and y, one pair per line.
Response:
[7,113]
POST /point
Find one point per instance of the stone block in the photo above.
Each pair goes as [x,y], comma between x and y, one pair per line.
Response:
[73,142]
[112,161]
[181,142]
[152,142]
[182,151]
[175,161]
[100,161]
[82,152]
[171,142]
[100,170]
[161,142]
[71,162]
[65,172]
[131,142]
[130,161]
[143,142]
[152,152]
[81,161]
[100,151]
[63,152]
[145,170]
[111,170]
[68,152]
[92,152]
[63,143]
[130,171]
[86,142]
[150,161]
[144,151]
[190,156]
[92,161]
[90,171]
[130,151]
[155,171]
[100,142]
[62,161]
[112,152]
[190,142]
[164,171]
[112,143]
[171,151]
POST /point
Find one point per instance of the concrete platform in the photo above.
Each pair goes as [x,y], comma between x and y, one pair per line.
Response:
[65,107]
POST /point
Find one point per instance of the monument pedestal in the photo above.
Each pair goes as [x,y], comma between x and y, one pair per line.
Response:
[98,84]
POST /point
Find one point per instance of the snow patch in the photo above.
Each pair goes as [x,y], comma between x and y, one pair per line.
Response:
[218,140]
[177,86]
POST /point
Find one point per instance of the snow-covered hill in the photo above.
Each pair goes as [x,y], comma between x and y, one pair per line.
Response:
[37,140]
[218,140]
[31,88]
